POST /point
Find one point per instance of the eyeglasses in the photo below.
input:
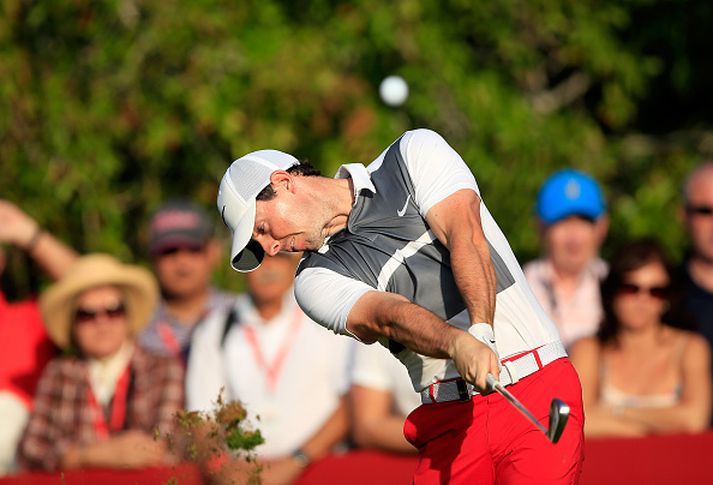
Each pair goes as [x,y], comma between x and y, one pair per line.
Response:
[84,315]
[699,210]
[658,292]
[171,250]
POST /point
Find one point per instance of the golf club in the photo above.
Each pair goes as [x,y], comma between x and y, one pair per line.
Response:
[559,411]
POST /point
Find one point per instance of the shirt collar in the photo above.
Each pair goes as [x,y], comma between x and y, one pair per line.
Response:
[361,178]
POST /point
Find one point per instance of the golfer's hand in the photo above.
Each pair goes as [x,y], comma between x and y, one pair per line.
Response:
[474,360]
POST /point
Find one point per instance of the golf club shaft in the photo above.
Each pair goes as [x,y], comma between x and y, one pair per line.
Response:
[513,400]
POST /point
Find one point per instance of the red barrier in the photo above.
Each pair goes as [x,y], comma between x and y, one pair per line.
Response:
[651,460]
[184,474]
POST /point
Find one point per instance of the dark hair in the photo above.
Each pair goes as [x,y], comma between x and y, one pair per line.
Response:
[20,278]
[628,258]
[304,169]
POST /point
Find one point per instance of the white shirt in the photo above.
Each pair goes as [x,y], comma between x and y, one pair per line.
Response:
[307,386]
[376,369]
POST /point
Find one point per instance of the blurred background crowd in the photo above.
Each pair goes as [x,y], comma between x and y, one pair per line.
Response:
[587,125]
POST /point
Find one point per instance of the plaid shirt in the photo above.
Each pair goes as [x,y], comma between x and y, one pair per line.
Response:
[63,416]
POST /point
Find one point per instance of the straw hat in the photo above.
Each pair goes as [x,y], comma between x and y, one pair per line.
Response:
[58,302]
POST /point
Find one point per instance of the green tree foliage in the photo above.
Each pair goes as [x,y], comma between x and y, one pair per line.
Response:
[111,107]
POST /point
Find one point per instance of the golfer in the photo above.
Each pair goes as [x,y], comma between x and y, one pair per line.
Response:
[405,253]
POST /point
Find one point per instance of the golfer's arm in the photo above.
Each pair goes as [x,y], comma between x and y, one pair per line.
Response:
[382,314]
[456,223]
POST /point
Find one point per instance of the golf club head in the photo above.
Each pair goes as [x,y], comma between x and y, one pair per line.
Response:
[559,414]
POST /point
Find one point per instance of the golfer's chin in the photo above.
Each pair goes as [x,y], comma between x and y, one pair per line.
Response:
[309,245]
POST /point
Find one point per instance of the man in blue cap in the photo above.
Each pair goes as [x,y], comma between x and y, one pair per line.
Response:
[573,225]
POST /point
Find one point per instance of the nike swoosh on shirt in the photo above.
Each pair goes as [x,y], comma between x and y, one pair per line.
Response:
[401,212]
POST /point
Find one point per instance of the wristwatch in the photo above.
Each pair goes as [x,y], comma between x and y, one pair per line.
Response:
[301,457]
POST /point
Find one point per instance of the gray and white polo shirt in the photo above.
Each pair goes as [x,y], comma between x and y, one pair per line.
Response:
[388,246]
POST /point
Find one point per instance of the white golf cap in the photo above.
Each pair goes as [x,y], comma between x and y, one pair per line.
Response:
[241,184]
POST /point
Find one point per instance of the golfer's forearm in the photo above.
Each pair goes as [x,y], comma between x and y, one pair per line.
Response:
[475,277]
[380,314]
[457,224]
[420,330]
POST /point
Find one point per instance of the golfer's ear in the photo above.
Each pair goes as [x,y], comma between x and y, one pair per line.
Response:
[281,178]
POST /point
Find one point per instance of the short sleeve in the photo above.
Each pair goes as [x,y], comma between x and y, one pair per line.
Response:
[436,169]
[327,297]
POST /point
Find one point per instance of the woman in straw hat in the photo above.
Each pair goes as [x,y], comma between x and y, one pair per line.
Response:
[101,404]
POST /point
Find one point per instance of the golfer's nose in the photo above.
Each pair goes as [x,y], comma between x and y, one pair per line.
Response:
[271,246]
[274,248]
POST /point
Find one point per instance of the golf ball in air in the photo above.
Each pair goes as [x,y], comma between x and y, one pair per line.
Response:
[393,90]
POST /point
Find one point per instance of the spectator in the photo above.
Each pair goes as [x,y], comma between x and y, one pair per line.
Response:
[25,346]
[697,270]
[101,406]
[382,395]
[573,225]
[292,373]
[640,375]
[184,254]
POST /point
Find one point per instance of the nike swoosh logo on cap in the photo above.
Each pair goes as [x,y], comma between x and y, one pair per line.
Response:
[222,216]
[401,212]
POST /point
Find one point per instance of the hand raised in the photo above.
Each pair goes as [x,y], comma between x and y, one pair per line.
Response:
[16,227]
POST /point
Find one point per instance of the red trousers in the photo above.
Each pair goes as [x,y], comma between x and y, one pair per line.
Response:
[487,440]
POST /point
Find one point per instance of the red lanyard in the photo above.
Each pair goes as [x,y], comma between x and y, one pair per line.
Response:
[118,407]
[272,370]
[168,337]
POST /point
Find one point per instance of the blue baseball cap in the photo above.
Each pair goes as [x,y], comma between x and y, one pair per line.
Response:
[569,193]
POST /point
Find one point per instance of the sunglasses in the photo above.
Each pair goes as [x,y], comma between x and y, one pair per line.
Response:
[84,315]
[171,250]
[699,210]
[658,292]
